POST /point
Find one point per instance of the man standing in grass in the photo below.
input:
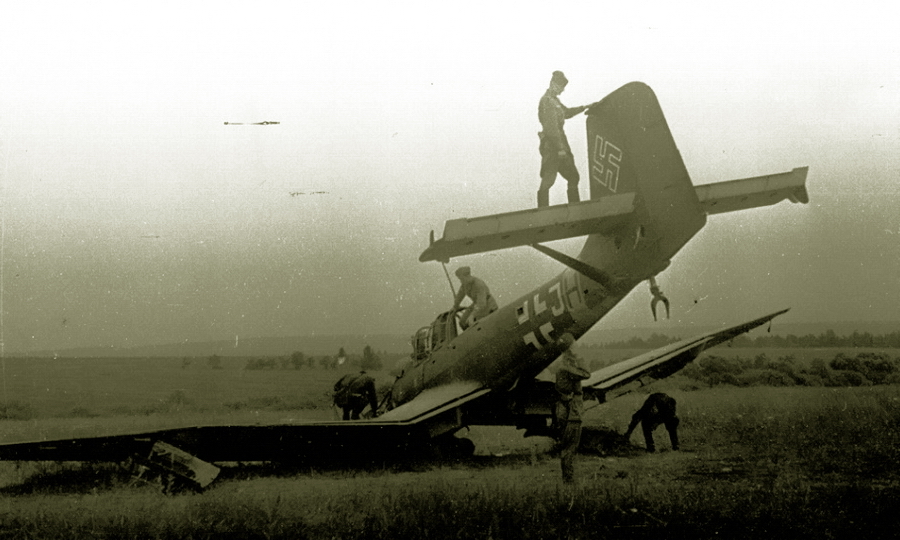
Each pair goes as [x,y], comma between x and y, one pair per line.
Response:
[568,409]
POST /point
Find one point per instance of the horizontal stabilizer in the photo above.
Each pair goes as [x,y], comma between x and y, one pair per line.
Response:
[667,360]
[754,192]
[465,236]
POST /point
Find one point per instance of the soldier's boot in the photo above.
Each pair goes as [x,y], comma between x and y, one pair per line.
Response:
[543,198]
[573,194]
[648,438]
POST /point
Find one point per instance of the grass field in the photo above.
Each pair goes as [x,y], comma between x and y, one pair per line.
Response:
[755,462]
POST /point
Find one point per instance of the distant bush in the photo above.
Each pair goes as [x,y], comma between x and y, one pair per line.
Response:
[177,400]
[846,377]
[261,363]
[14,410]
[214,361]
[370,360]
[82,412]
[810,379]
[274,403]
[716,370]
[297,359]
[876,367]
[826,339]
[865,369]
[765,377]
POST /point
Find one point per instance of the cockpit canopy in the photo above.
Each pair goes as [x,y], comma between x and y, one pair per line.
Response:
[430,338]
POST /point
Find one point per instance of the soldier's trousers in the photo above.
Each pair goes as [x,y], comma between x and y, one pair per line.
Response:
[568,447]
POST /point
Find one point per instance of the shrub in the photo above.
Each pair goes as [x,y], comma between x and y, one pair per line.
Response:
[844,363]
[15,410]
[765,377]
[819,368]
[846,377]
[810,379]
[876,366]
[714,370]
[83,412]
[297,359]
[261,363]
[370,360]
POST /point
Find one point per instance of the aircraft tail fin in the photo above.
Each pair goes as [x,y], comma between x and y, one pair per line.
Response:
[643,206]
[631,150]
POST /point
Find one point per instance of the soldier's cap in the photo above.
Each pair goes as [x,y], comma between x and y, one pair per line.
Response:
[463,271]
[559,78]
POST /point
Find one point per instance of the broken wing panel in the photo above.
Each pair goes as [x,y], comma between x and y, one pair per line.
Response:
[666,360]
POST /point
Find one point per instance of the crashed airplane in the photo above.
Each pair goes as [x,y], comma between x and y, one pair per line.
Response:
[642,210]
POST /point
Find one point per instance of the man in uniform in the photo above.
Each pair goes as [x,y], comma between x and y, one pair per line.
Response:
[556,156]
[567,414]
[658,409]
[482,301]
[353,392]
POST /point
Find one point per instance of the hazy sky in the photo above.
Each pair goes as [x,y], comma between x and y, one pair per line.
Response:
[132,215]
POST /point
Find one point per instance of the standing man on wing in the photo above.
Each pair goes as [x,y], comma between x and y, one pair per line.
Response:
[556,156]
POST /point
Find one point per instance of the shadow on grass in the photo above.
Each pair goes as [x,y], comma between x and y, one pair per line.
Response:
[68,478]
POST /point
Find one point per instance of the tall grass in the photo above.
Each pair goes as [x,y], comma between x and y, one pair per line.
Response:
[848,430]
[451,507]
[758,462]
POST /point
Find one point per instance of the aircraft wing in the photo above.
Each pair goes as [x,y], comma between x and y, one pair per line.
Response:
[435,401]
[217,443]
[662,362]
[406,425]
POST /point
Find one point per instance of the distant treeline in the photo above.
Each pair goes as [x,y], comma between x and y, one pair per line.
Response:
[368,360]
[865,369]
[825,339]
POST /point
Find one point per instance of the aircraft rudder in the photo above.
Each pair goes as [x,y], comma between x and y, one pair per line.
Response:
[631,150]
